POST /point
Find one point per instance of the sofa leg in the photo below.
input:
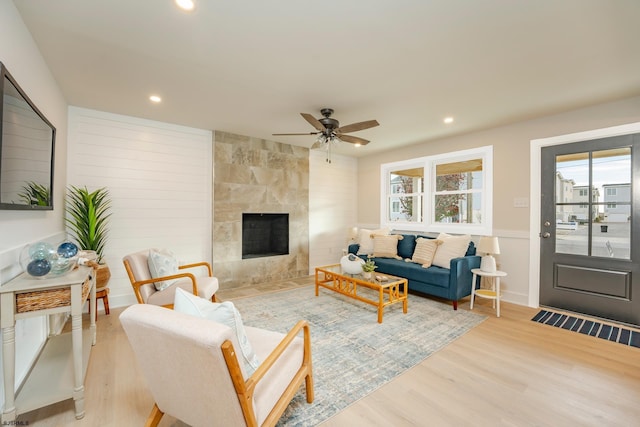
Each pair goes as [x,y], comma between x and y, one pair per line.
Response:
[455,305]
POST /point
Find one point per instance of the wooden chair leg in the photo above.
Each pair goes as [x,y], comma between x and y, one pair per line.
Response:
[214,298]
[104,296]
[105,302]
[154,417]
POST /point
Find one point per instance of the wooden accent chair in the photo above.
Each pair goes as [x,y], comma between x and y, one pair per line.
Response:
[137,266]
[193,373]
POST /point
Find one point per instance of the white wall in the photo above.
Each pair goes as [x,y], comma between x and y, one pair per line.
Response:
[19,53]
[159,177]
[512,178]
[333,191]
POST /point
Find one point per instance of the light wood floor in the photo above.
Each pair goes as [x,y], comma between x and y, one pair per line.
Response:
[505,372]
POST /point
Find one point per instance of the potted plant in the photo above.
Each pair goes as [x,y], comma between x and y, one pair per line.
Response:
[368,267]
[87,218]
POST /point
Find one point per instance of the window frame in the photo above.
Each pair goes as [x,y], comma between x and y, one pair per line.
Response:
[429,163]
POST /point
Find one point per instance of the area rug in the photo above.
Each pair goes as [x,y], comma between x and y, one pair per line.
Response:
[352,353]
[617,334]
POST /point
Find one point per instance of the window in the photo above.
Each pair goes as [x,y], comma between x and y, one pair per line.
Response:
[612,191]
[612,205]
[583,193]
[405,194]
[449,193]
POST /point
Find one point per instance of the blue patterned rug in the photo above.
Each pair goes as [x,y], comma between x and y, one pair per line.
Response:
[352,353]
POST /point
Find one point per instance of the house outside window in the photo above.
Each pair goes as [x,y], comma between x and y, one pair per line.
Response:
[449,193]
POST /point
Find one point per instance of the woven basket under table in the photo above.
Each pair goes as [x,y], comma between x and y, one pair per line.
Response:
[48,298]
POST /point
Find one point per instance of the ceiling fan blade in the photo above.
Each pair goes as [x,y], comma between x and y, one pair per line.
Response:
[354,127]
[353,139]
[313,121]
[290,134]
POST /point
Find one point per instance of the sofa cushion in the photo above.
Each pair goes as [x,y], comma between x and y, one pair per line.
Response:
[414,272]
[425,251]
[407,245]
[451,247]
[365,239]
[386,246]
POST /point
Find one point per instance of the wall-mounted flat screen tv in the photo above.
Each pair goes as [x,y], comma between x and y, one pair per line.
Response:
[27,141]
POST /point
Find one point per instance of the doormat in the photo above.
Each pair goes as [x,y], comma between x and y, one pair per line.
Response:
[617,334]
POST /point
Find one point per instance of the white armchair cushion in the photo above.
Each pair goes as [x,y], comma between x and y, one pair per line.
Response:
[162,263]
[225,313]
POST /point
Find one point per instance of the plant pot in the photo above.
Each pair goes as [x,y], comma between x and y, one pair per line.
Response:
[103,274]
[367,274]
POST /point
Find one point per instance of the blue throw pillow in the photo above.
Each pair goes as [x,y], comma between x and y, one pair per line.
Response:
[406,246]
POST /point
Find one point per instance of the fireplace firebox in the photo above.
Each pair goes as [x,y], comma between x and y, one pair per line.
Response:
[265,234]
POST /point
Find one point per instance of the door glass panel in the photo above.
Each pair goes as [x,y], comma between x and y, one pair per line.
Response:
[612,175]
[572,204]
[593,203]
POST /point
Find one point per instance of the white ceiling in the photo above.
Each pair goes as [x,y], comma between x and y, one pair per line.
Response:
[250,67]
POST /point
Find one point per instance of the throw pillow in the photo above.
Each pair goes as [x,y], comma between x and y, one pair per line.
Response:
[386,246]
[225,313]
[162,263]
[365,239]
[407,245]
[452,247]
[425,251]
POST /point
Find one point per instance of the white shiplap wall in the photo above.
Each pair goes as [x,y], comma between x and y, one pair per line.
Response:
[333,205]
[159,176]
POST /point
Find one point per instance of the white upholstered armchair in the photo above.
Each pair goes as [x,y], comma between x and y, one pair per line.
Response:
[158,286]
[192,370]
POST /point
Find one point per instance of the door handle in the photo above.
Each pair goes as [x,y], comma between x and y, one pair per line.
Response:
[546,235]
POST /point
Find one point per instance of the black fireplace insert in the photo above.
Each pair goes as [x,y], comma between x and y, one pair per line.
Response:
[265,234]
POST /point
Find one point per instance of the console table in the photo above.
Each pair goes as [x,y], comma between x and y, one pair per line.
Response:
[59,371]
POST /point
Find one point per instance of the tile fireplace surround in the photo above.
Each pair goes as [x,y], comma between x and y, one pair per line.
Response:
[254,175]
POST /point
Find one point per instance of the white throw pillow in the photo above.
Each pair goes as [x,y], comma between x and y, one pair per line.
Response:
[451,247]
[365,239]
[162,263]
[225,313]
[425,251]
[386,246]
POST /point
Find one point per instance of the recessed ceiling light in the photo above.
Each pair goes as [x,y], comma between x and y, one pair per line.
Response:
[357,144]
[448,120]
[185,4]
[155,98]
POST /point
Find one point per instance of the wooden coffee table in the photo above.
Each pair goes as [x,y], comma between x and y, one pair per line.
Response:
[391,291]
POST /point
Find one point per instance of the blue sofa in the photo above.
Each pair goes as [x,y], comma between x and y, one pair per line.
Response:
[452,283]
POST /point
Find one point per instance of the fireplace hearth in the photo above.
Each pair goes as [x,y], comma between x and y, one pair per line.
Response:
[265,234]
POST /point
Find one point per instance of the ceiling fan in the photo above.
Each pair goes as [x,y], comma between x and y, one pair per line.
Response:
[328,131]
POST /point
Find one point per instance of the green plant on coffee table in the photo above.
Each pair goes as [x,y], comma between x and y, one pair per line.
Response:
[87,218]
[369,265]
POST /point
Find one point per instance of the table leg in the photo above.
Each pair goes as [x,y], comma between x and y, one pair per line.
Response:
[380,304]
[498,296]
[8,370]
[93,303]
[76,338]
[405,303]
[473,289]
